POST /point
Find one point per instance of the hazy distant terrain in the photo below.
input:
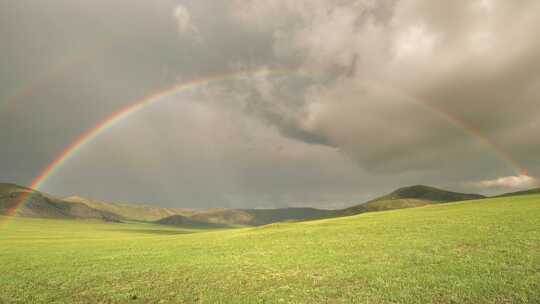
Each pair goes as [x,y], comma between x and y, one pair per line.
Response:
[41,205]
[131,211]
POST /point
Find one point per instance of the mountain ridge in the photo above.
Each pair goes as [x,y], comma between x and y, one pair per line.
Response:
[518,193]
[410,197]
[431,193]
[42,205]
[139,212]
[38,204]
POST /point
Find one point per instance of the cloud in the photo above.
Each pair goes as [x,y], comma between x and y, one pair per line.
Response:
[509,182]
[184,21]
[406,84]
[387,93]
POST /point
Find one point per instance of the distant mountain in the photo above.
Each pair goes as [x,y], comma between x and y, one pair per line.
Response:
[41,205]
[525,192]
[224,216]
[220,216]
[267,216]
[430,194]
[186,222]
[409,197]
[131,211]
[256,217]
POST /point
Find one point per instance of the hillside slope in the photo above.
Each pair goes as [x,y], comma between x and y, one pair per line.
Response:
[409,197]
[131,211]
[428,193]
[475,252]
[520,193]
[220,216]
[257,217]
[188,222]
[79,207]
[38,204]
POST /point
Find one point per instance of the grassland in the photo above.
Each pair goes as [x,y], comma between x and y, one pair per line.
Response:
[484,251]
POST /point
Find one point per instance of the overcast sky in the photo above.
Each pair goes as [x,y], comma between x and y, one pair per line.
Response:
[376,95]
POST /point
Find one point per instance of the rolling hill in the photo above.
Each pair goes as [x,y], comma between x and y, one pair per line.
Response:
[428,193]
[409,197]
[131,211]
[406,197]
[474,252]
[189,222]
[257,217]
[519,193]
[219,216]
[44,206]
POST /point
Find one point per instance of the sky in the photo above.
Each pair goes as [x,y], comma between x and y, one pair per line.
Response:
[347,99]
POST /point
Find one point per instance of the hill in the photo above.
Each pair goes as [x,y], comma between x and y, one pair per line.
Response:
[38,204]
[220,216]
[409,197]
[131,211]
[187,222]
[257,217]
[519,193]
[79,207]
[475,252]
[267,216]
[431,194]
[224,216]
[75,206]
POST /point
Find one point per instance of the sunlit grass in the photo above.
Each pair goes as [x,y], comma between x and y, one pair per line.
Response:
[484,251]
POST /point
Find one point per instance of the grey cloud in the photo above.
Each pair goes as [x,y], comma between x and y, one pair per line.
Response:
[183,18]
[386,93]
[431,51]
[509,182]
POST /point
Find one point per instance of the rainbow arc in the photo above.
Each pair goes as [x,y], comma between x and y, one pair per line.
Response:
[124,113]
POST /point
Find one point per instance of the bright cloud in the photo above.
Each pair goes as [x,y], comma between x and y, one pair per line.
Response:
[184,20]
[512,182]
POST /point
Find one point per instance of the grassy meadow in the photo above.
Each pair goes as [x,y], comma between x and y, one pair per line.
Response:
[485,251]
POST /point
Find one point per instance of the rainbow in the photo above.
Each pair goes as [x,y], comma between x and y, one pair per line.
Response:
[122,114]
[137,106]
[478,134]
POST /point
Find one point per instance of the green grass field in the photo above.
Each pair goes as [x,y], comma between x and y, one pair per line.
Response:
[484,251]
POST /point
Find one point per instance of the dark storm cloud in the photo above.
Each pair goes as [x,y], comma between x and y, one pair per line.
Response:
[451,56]
[380,94]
